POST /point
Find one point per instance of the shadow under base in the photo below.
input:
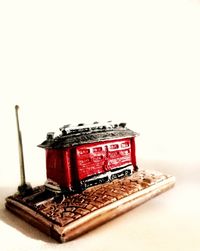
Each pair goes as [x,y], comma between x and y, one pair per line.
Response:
[69,216]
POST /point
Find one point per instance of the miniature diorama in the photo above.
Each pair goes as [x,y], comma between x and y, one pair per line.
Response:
[92,177]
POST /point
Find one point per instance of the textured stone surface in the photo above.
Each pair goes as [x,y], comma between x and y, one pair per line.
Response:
[72,207]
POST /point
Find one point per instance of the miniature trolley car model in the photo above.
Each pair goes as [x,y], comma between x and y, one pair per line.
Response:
[86,155]
[81,157]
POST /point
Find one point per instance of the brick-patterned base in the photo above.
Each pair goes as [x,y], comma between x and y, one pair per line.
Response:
[66,217]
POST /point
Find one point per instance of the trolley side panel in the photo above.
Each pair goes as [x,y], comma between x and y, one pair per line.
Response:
[133,152]
[90,160]
[98,158]
[56,166]
[67,175]
[119,153]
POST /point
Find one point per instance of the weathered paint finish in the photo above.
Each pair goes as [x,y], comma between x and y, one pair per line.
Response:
[58,166]
[133,152]
[68,166]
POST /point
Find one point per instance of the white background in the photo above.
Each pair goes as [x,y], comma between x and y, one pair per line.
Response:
[82,61]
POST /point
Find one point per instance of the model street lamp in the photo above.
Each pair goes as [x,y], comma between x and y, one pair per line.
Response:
[23,188]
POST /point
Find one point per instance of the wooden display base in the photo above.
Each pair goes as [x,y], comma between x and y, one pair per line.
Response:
[67,217]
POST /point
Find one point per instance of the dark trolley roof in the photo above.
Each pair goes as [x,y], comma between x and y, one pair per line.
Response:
[85,134]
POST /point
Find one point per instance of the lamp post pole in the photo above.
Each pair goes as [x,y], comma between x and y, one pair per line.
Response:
[24,187]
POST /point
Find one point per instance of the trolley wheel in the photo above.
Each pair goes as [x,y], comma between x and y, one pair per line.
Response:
[127,173]
[59,198]
[113,176]
[100,181]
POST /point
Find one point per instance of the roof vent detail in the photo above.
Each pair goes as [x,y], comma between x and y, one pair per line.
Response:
[50,135]
[123,125]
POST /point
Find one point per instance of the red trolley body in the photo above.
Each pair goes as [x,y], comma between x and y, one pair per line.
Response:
[76,166]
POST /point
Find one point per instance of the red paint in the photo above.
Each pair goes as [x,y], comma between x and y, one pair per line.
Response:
[71,165]
[58,166]
[133,153]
